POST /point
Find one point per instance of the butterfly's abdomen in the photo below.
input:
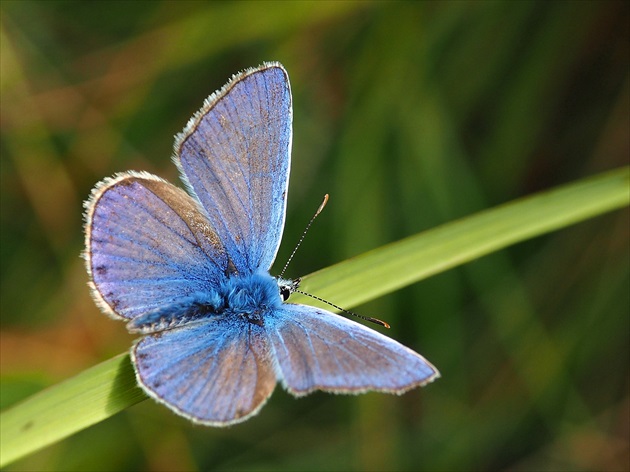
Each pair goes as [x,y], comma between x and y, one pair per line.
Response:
[189,309]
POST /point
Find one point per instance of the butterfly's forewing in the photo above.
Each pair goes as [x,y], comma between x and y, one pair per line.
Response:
[235,155]
[214,372]
[148,245]
[318,350]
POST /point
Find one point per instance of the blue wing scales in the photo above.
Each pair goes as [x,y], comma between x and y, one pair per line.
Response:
[318,350]
[234,155]
[148,245]
[213,372]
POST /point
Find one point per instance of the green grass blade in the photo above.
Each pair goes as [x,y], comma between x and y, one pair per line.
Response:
[404,262]
[70,406]
[109,387]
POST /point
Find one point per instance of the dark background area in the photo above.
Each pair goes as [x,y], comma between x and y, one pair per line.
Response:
[409,114]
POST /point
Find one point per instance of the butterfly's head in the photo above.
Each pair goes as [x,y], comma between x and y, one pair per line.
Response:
[287,287]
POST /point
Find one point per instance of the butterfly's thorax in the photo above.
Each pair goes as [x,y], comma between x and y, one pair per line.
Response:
[250,296]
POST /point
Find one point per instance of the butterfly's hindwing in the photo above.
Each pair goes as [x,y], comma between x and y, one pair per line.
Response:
[213,372]
[318,350]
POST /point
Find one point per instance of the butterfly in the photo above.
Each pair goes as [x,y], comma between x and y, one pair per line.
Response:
[189,271]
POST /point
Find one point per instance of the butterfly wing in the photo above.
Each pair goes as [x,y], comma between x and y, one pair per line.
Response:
[234,154]
[318,350]
[212,372]
[148,245]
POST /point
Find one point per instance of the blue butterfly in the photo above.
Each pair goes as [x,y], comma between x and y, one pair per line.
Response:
[190,271]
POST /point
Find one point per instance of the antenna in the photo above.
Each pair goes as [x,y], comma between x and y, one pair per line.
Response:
[291,286]
[366,318]
[319,210]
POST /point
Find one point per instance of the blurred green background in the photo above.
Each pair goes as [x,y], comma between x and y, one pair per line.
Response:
[409,115]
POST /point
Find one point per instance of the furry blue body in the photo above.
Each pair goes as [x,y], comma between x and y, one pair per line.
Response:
[247,297]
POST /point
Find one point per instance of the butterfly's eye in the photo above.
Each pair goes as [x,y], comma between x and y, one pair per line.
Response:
[285,293]
[287,287]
